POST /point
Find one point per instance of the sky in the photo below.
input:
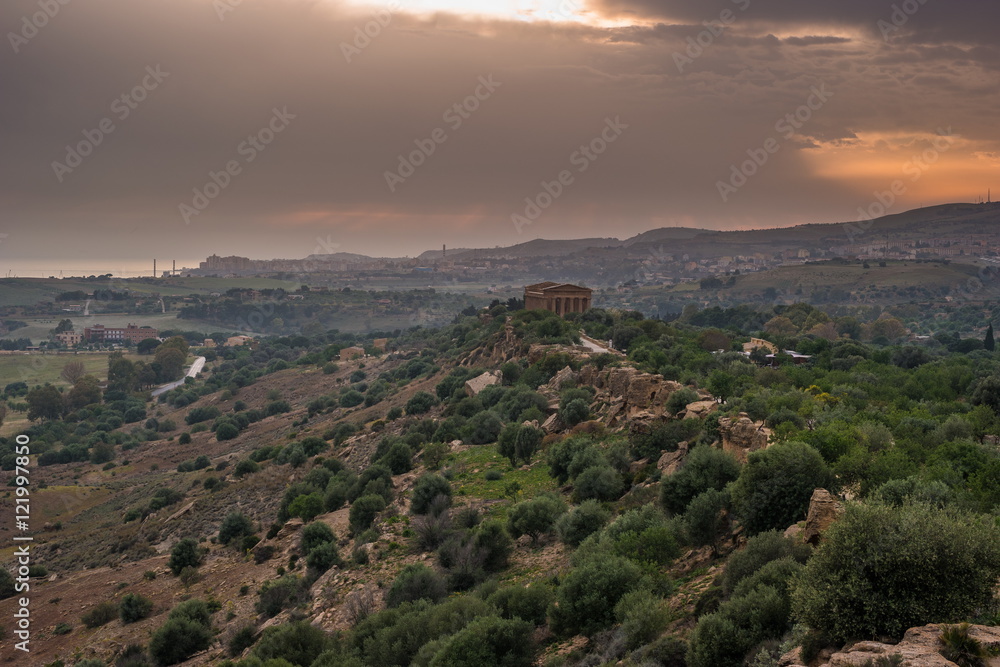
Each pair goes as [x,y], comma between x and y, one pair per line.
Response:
[176,129]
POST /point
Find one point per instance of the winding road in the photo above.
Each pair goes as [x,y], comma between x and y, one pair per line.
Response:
[196,367]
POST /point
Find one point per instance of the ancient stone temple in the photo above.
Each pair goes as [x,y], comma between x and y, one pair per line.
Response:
[560,298]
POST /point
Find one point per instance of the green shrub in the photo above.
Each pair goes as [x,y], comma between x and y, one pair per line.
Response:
[351,398]
[306,506]
[194,610]
[680,399]
[493,545]
[283,593]
[323,557]
[184,439]
[186,553]
[536,516]
[774,488]
[703,519]
[177,640]
[598,482]
[759,551]
[528,603]
[582,521]
[724,639]
[587,596]
[706,468]
[65,629]
[922,565]
[299,643]
[427,488]
[245,467]
[962,648]
[226,431]
[398,459]
[99,614]
[234,526]
[133,608]
[483,428]
[519,442]
[416,582]
[364,510]
[420,403]
[642,615]
[242,639]
[314,535]
[488,642]
[7,585]
[574,412]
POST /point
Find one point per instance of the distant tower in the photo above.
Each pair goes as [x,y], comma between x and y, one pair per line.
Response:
[173,271]
[154,268]
[444,251]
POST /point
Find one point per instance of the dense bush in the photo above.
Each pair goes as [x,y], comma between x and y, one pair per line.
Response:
[581,522]
[186,553]
[364,510]
[177,640]
[921,565]
[420,403]
[536,516]
[416,582]
[488,642]
[299,643]
[427,488]
[315,535]
[519,442]
[483,428]
[704,518]
[598,482]
[529,603]
[774,488]
[705,468]
[133,608]
[283,593]
[235,526]
[759,551]
[587,596]
[99,614]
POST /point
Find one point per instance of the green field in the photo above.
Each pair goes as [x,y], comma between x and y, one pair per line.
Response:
[39,327]
[41,368]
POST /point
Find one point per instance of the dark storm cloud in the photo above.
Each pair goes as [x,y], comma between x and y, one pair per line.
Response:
[324,174]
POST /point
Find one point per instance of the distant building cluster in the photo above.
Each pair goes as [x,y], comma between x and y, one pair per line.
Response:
[131,333]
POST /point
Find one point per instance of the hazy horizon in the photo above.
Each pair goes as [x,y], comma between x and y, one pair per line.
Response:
[183,128]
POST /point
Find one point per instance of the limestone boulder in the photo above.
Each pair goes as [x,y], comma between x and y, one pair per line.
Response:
[920,647]
[741,435]
[824,510]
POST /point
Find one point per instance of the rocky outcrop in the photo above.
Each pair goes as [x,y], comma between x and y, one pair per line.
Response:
[671,462]
[921,647]
[480,382]
[824,509]
[741,435]
[700,409]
